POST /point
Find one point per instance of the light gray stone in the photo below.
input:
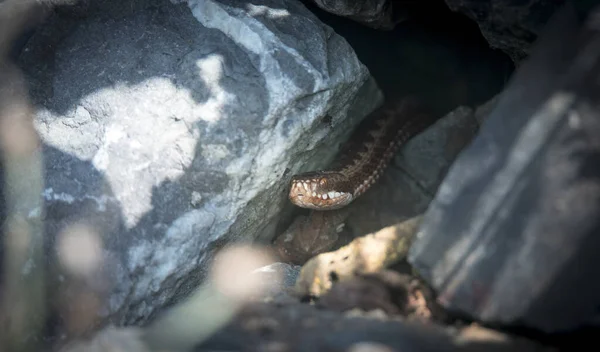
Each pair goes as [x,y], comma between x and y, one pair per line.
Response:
[171,130]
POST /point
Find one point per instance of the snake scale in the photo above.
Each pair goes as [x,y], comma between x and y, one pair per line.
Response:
[360,163]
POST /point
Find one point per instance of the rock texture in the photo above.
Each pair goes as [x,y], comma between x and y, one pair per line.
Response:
[511,26]
[377,14]
[168,131]
[511,236]
[300,327]
[409,184]
[384,219]
[367,254]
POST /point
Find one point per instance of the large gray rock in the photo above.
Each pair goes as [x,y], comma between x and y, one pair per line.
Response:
[511,237]
[169,131]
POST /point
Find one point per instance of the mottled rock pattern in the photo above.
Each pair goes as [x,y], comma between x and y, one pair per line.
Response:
[169,130]
[511,236]
[366,254]
[390,293]
[384,290]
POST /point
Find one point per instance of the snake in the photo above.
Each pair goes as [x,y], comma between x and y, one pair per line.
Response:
[362,160]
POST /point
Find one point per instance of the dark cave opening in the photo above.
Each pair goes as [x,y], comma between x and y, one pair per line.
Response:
[436,53]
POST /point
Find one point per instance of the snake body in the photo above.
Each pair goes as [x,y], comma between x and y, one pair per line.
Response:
[363,158]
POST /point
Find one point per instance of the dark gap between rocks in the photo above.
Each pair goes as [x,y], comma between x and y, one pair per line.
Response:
[442,57]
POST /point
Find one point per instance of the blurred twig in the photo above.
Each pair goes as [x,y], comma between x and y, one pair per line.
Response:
[22,308]
[230,286]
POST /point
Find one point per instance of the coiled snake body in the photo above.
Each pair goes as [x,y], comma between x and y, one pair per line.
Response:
[360,164]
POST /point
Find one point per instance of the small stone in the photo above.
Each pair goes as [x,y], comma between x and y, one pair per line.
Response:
[195,199]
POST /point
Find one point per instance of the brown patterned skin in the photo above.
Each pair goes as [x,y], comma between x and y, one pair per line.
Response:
[364,157]
[362,161]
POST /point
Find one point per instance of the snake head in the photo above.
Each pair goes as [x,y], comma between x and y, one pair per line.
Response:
[320,190]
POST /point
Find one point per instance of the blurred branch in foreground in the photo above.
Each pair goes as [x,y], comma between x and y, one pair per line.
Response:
[230,286]
[22,309]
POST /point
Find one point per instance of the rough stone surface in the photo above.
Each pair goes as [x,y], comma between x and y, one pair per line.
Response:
[169,130]
[511,236]
[302,327]
[511,26]
[293,326]
[366,254]
[409,184]
[373,13]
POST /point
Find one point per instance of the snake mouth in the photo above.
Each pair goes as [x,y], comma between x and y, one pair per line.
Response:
[317,193]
